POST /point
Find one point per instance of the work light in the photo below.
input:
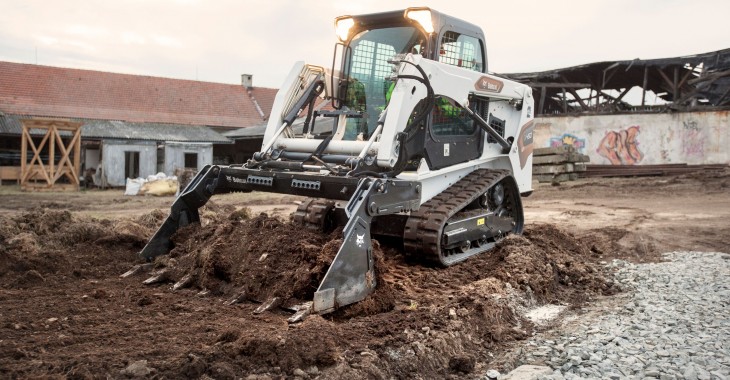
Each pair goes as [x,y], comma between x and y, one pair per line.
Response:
[421,16]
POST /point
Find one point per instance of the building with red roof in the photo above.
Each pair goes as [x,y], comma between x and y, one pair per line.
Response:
[160,124]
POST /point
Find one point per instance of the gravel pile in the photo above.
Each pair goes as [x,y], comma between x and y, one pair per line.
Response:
[675,325]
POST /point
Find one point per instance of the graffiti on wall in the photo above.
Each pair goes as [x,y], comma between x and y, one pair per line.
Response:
[568,139]
[693,141]
[621,147]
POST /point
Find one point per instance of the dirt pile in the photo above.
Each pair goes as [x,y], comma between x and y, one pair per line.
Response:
[45,243]
[436,322]
[261,256]
[435,318]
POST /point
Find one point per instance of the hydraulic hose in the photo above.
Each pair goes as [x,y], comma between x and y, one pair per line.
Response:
[421,116]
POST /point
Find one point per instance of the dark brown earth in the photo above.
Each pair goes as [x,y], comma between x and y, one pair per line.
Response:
[66,313]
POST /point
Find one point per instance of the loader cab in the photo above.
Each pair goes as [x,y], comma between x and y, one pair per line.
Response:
[368,42]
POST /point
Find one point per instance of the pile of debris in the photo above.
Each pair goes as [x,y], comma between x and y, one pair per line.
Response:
[157,184]
[558,164]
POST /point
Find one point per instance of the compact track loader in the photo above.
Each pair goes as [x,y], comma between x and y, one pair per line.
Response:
[415,136]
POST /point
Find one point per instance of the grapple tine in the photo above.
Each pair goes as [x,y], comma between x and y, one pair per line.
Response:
[238,298]
[303,311]
[159,276]
[184,282]
[137,269]
[351,277]
[183,211]
[272,303]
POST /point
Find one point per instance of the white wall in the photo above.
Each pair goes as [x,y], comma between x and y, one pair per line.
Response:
[642,139]
[112,157]
[175,155]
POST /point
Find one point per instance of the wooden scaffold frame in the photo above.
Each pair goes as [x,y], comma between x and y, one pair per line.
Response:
[38,175]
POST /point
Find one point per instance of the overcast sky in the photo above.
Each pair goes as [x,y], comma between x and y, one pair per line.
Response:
[218,40]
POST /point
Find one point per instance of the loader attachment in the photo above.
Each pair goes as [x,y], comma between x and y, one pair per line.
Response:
[351,276]
[183,211]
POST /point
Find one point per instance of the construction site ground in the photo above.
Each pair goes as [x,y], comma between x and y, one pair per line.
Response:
[66,313]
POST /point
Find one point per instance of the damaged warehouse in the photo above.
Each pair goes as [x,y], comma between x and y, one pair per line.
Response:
[637,112]
[688,83]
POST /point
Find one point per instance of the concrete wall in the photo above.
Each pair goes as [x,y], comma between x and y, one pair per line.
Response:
[175,155]
[642,139]
[112,157]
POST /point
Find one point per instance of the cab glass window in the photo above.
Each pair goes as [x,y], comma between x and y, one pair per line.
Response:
[449,119]
[369,69]
[462,51]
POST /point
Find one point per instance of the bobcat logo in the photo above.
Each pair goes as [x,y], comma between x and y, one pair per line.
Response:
[486,83]
[360,240]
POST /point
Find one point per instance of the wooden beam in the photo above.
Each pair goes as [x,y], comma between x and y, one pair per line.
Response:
[65,162]
[23,153]
[77,155]
[51,153]
[710,77]
[542,101]
[622,94]
[30,167]
[686,76]
[643,86]
[675,84]
[578,98]
[666,78]
[559,85]
[565,102]
[50,170]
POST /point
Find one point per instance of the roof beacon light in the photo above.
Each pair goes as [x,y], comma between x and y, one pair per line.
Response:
[421,16]
[343,26]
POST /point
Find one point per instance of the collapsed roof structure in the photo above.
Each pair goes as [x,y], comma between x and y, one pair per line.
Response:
[688,83]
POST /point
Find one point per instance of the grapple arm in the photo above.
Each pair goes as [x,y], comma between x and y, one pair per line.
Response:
[351,277]
[185,210]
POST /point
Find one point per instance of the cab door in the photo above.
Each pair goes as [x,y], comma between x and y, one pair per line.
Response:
[453,137]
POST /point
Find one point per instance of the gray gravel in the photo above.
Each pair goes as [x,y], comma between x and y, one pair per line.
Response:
[675,325]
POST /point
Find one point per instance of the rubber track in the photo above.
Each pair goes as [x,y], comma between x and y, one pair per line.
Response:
[422,236]
[312,213]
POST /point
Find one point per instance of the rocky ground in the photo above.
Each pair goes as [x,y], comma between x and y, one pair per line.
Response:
[673,322]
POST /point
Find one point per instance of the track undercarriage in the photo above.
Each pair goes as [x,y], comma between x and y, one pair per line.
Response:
[466,219]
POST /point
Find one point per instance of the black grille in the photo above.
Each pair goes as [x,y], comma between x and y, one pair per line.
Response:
[498,125]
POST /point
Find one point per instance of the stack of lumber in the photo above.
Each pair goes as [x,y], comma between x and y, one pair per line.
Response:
[647,170]
[558,164]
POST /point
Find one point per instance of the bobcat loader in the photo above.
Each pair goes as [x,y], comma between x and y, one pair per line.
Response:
[416,137]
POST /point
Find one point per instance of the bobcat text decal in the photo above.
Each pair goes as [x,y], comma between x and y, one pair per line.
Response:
[486,83]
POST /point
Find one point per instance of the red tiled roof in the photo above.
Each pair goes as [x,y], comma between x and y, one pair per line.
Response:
[61,92]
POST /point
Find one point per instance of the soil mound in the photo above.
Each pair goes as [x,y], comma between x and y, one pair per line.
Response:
[473,306]
[49,244]
[261,256]
[265,258]
[420,319]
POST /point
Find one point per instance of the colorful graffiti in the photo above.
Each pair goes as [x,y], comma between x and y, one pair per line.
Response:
[693,141]
[621,147]
[568,139]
